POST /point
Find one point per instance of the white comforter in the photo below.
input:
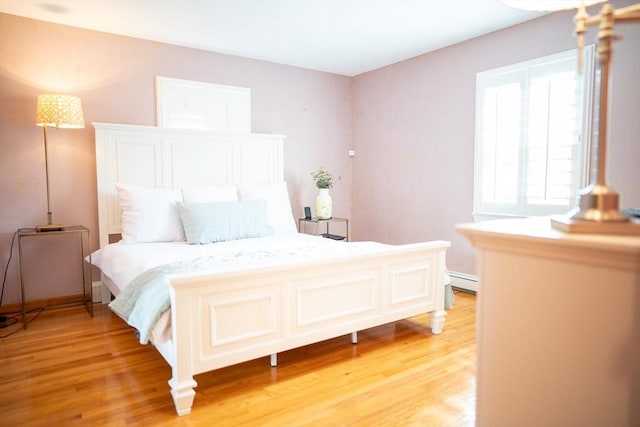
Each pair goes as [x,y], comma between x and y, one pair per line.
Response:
[141,271]
[124,262]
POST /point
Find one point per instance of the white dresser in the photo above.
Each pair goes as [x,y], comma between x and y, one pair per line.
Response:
[558,326]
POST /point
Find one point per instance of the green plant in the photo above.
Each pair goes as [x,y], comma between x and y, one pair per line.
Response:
[322,178]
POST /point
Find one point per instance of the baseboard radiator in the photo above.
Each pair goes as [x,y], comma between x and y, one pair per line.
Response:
[464,282]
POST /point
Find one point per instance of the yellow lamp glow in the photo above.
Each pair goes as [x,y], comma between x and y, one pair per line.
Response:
[58,110]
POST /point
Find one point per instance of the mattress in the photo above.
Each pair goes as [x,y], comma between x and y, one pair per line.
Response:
[146,267]
[122,263]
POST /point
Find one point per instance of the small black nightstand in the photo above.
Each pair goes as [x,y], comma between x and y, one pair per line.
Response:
[323,224]
[84,240]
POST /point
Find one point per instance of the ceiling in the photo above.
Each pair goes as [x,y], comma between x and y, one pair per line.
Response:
[347,37]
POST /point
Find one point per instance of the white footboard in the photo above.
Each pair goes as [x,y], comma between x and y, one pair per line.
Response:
[225,319]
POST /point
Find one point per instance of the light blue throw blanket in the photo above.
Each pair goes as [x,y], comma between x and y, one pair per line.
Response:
[147,297]
[143,301]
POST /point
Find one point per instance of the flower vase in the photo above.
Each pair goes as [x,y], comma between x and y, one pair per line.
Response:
[323,204]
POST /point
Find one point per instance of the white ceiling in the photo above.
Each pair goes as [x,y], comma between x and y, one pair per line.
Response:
[347,37]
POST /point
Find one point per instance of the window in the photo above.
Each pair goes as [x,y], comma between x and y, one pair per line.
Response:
[532,136]
[188,104]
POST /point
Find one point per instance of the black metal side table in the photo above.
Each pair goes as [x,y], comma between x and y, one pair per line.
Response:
[84,240]
[324,224]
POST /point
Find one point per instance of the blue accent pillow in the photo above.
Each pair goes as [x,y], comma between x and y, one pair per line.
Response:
[223,221]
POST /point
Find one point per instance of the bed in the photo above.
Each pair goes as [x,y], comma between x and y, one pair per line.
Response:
[198,243]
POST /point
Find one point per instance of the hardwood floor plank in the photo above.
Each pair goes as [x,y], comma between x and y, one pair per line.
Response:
[72,369]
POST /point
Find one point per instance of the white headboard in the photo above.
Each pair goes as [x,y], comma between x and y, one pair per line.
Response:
[155,157]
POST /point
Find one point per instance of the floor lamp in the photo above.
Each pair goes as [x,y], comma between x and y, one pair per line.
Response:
[58,111]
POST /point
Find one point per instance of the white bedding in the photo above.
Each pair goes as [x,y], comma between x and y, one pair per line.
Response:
[124,262]
[141,271]
[146,267]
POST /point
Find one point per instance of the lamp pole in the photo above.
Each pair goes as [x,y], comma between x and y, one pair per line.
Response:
[598,209]
[46,169]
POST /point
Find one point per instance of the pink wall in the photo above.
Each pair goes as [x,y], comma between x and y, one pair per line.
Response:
[114,77]
[411,124]
[414,132]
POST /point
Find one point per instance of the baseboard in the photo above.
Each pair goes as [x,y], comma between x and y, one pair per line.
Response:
[44,303]
[463,281]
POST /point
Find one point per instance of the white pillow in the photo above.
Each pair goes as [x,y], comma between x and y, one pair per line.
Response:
[150,214]
[223,221]
[278,204]
[211,193]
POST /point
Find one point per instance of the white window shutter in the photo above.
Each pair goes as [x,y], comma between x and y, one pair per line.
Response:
[188,104]
[529,157]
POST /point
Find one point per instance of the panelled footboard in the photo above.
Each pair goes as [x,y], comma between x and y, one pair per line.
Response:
[228,318]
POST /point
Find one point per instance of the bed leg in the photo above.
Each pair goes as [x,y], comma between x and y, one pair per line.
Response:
[437,321]
[274,360]
[354,337]
[183,395]
[105,294]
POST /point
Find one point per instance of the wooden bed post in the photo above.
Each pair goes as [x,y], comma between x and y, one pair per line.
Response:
[437,321]
[182,383]
[437,316]
[183,393]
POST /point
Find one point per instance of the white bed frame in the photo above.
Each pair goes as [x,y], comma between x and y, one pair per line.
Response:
[220,320]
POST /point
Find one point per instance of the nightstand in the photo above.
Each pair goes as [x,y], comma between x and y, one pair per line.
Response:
[320,225]
[83,236]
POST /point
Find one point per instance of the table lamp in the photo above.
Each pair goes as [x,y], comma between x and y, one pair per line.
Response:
[598,209]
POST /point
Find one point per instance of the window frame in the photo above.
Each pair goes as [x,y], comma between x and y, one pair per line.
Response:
[522,73]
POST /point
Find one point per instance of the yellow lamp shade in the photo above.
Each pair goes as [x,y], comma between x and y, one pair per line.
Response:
[59,110]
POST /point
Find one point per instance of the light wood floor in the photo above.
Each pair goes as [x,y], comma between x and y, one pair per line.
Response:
[70,369]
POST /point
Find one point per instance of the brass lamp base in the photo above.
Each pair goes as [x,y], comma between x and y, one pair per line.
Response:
[628,228]
[597,214]
[49,227]
[600,204]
